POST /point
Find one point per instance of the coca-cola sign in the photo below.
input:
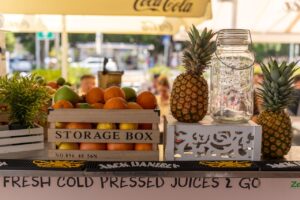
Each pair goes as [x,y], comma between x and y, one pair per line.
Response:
[172,6]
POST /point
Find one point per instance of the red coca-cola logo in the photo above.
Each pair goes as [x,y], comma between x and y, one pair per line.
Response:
[181,6]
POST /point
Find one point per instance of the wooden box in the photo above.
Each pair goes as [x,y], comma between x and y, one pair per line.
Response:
[104,136]
[211,141]
[20,140]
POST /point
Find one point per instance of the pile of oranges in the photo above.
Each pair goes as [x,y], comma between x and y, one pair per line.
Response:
[110,98]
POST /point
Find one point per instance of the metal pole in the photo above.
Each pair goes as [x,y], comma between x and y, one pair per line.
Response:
[234,13]
[2,54]
[37,52]
[57,47]
[46,51]
[98,42]
[64,39]
[291,52]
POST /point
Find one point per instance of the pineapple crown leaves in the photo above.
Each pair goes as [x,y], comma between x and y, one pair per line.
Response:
[25,98]
[277,88]
[200,48]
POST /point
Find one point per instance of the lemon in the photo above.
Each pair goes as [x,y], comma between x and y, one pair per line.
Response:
[128,126]
[68,146]
[105,126]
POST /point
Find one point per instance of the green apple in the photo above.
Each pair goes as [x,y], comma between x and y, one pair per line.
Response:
[60,81]
[66,93]
[130,94]
[83,105]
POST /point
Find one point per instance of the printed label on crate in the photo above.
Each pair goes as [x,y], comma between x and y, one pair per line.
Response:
[104,155]
[148,136]
[148,188]
[280,165]
[135,165]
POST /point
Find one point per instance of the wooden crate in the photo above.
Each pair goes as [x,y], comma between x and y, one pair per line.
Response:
[104,136]
[211,141]
[4,118]
[19,140]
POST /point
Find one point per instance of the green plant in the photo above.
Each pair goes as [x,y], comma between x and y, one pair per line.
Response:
[25,98]
[74,74]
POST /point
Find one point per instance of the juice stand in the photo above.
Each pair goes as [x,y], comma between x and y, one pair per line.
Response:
[194,155]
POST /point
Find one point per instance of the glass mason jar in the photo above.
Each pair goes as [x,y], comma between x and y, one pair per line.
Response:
[231,77]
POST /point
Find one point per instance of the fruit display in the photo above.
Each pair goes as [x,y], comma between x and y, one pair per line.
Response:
[53,84]
[189,96]
[277,94]
[112,98]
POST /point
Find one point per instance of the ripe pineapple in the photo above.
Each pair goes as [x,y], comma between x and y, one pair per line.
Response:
[276,93]
[189,97]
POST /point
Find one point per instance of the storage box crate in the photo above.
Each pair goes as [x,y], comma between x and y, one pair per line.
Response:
[211,141]
[19,140]
[104,136]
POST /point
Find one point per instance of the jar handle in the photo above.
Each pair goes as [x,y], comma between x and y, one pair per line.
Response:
[235,68]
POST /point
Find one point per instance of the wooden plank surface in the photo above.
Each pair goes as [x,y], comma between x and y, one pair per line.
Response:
[4,117]
[103,136]
[105,116]
[21,148]
[104,155]
[19,140]
[21,132]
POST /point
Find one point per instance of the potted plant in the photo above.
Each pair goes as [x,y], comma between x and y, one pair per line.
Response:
[26,99]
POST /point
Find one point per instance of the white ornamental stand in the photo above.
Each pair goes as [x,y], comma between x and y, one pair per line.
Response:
[208,140]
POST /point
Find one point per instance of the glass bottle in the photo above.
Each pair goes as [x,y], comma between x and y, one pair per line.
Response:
[231,77]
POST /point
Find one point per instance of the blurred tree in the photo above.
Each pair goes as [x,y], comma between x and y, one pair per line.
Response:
[27,40]
[10,41]
[138,39]
[263,50]
[80,38]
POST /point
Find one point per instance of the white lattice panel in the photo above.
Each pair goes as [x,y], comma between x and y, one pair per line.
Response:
[211,141]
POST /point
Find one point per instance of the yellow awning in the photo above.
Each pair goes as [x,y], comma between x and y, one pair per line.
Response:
[171,8]
[91,24]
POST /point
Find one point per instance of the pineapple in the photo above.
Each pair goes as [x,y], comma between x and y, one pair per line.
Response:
[276,93]
[189,97]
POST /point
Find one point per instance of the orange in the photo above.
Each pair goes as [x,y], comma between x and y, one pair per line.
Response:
[145,126]
[133,105]
[92,146]
[116,103]
[112,92]
[147,100]
[77,125]
[53,85]
[143,147]
[97,105]
[62,104]
[120,147]
[95,95]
